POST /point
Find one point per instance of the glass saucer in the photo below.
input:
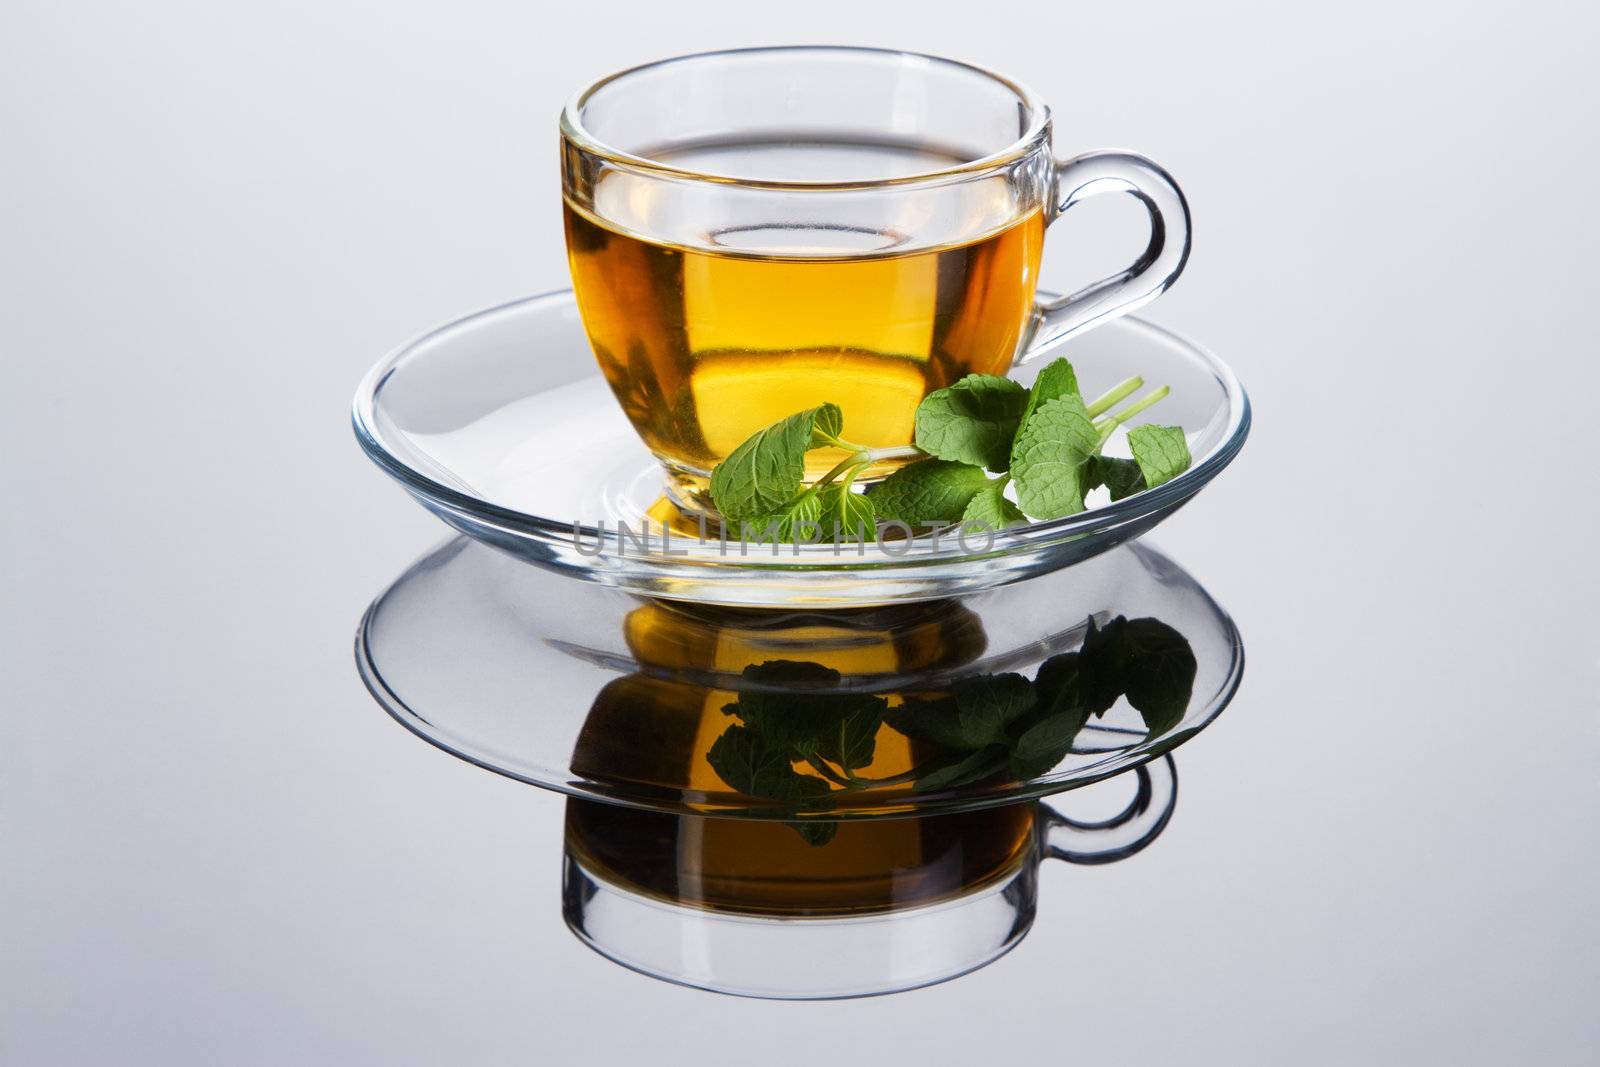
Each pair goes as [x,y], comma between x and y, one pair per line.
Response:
[501,426]
[944,705]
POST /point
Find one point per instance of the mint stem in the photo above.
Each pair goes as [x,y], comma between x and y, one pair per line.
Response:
[873,455]
[1115,396]
[1111,422]
[851,463]
[865,457]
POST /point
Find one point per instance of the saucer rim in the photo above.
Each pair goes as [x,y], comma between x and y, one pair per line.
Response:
[1034,535]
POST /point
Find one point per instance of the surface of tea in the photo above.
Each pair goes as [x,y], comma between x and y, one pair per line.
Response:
[714,327]
[764,867]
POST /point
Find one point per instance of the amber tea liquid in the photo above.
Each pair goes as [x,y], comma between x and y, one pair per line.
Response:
[709,338]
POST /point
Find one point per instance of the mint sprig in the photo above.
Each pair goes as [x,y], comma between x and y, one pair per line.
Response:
[1044,443]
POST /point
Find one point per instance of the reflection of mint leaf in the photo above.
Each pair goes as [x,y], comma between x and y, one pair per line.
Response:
[972,421]
[1121,477]
[1049,457]
[1062,707]
[988,721]
[1063,684]
[787,676]
[989,510]
[934,721]
[1045,743]
[1145,660]
[748,764]
[1099,666]
[797,522]
[977,713]
[986,706]
[846,516]
[1158,670]
[952,772]
[815,831]
[763,474]
[931,490]
[807,720]
[1056,380]
[744,760]
[981,726]
[851,743]
[1162,452]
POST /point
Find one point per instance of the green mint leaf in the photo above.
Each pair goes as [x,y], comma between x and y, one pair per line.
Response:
[1121,476]
[829,422]
[1056,380]
[928,491]
[990,511]
[1050,456]
[1162,452]
[797,522]
[762,475]
[846,516]
[972,421]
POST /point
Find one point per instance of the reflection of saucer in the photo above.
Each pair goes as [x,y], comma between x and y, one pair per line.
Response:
[500,426]
[943,705]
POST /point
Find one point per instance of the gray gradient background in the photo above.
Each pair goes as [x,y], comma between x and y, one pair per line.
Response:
[216,849]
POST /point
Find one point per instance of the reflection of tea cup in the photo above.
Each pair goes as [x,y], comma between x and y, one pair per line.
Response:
[746,906]
[783,900]
[756,232]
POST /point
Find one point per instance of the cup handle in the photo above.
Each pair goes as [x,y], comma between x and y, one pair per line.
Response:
[1094,174]
[1120,836]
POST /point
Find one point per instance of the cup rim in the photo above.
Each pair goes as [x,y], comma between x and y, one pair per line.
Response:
[1037,132]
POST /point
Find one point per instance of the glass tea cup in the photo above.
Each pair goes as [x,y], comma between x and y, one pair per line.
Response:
[755,232]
